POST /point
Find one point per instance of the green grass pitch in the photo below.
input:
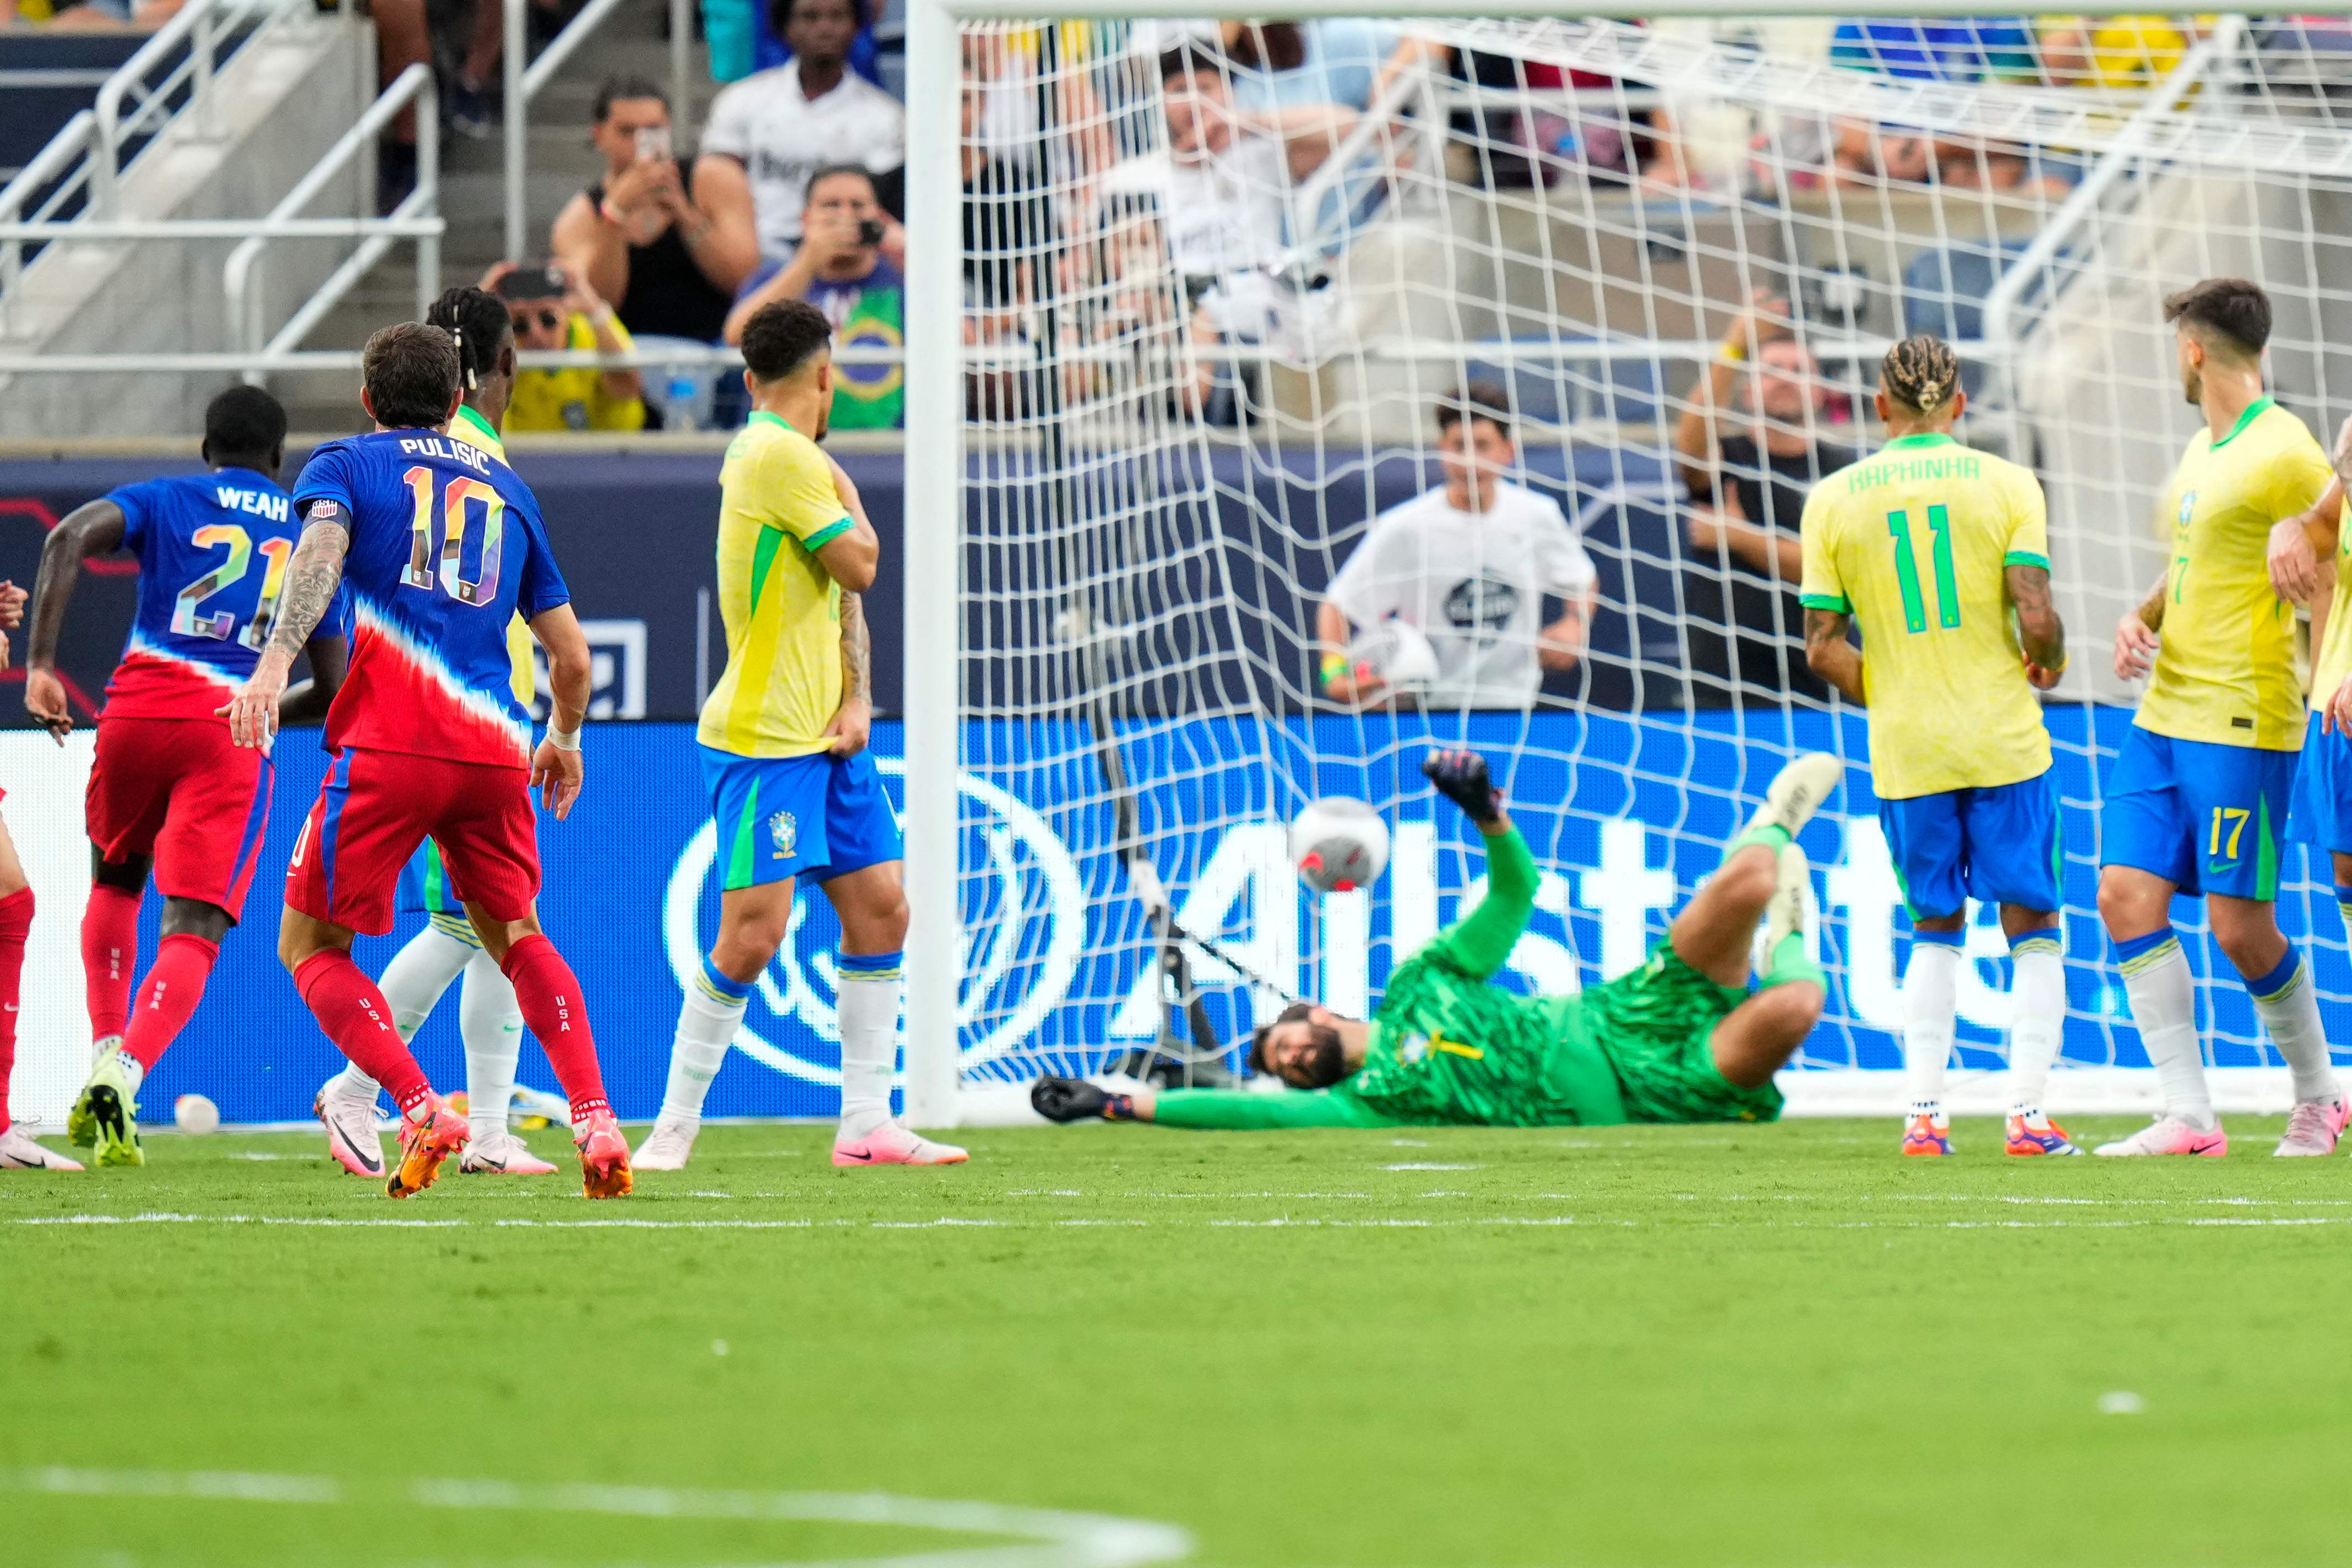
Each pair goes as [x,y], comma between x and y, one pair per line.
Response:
[1748,1346]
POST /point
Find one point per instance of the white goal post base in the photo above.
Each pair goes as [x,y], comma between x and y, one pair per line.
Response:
[2074,1091]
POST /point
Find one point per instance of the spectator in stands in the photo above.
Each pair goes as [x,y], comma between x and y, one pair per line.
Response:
[1471,565]
[2112,52]
[670,243]
[554,307]
[1945,48]
[1009,219]
[840,269]
[1342,60]
[1749,474]
[780,126]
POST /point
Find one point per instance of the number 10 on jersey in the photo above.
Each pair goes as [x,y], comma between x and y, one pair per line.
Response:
[440,562]
[1906,570]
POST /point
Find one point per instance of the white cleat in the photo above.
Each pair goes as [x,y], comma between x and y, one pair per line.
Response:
[891,1144]
[501,1155]
[1797,791]
[19,1153]
[2168,1136]
[667,1147]
[354,1135]
[2313,1127]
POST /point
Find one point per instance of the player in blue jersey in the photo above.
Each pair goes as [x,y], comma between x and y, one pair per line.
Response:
[436,546]
[488,1018]
[170,797]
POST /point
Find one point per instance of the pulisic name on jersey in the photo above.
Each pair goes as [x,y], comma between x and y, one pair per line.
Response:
[442,446]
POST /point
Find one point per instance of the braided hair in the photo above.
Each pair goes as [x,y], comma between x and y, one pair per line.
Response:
[477,319]
[1921,372]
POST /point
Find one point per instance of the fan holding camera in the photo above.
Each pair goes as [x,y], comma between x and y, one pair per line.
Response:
[552,307]
[669,245]
[840,269]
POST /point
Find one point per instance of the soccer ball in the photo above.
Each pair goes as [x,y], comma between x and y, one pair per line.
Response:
[1338,845]
[194,1113]
[1398,653]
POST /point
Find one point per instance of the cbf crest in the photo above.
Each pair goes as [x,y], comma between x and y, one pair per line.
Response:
[784,832]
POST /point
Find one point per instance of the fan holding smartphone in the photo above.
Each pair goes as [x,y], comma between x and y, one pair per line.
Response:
[667,243]
[840,269]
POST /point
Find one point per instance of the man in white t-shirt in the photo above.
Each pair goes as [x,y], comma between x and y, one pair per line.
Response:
[1471,567]
[780,126]
[1224,188]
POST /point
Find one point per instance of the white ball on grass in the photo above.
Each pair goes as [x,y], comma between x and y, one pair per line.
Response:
[194,1113]
[1338,845]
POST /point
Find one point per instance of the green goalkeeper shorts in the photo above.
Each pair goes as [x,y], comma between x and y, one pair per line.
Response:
[1655,1026]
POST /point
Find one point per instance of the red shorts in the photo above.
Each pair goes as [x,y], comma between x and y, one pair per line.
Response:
[376,808]
[181,790]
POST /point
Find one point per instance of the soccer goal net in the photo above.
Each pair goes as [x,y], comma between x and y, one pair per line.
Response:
[1332,390]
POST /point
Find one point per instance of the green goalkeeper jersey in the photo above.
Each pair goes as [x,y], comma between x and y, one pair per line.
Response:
[1448,1045]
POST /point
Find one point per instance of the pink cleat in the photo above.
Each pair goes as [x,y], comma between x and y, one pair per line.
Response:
[352,1132]
[891,1144]
[2170,1135]
[2313,1127]
[2029,1136]
[19,1153]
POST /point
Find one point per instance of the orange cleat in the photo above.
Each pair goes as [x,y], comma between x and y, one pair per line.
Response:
[1927,1137]
[425,1139]
[2037,1135]
[604,1157]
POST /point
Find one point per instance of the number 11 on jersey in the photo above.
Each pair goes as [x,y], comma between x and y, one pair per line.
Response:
[1906,570]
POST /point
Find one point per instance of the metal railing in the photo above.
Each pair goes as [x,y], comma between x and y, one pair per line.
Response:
[414,218]
[204,25]
[526,81]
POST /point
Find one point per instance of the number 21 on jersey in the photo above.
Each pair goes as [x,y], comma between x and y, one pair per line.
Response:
[1906,570]
[438,560]
[221,625]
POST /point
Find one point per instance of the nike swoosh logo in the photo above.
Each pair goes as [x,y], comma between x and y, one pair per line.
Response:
[2221,865]
[847,1155]
[373,1161]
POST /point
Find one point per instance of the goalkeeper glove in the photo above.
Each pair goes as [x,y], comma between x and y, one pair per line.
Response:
[1461,777]
[1076,1100]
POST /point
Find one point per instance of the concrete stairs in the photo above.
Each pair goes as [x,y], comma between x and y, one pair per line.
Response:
[473,187]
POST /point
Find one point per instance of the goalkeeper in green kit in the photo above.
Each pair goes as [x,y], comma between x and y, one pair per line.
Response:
[1680,1039]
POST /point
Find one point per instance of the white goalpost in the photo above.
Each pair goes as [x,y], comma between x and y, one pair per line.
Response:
[1168,361]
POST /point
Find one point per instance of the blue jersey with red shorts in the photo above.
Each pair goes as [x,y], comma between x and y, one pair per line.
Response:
[446,546]
[167,780]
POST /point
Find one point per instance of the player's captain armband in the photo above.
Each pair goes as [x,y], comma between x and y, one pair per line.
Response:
[326,508]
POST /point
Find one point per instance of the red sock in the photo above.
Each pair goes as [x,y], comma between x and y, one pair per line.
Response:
[109,953]
[16,920]
[174,985]
[552,1006]
[359,1020]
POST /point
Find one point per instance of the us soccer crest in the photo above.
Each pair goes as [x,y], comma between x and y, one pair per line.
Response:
[784,830]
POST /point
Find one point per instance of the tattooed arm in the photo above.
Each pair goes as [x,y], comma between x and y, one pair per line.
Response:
[2040,631]
[311,578]
[1830,656]
[855,718]
[2136,634]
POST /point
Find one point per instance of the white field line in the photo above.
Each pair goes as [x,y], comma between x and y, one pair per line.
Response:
[1049,1538]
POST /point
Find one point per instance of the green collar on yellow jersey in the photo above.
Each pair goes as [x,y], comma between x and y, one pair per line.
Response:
[489,441]
[1925,438]
[777,419]
[2255,411]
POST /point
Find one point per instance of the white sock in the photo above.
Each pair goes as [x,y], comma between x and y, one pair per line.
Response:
[707,1022]
[2288,1005]
[868,1010]
[353,1083]
[133,1067]
[1931,988]
[413,983]
[2163,996]
[491,1021]
[2037,1020]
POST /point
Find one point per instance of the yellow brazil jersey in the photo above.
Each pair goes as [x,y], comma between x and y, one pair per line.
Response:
[2225,671]
[1915,542]
[777,508]
[475,431]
